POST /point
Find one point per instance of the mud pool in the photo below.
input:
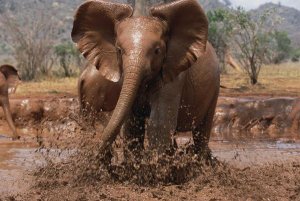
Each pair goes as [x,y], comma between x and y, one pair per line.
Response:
[19,159]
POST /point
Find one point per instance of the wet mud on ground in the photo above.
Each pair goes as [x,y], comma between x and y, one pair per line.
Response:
[253,170]
[258,158]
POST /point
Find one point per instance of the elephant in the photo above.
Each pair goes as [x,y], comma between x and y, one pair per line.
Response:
[157,73]
[8,79]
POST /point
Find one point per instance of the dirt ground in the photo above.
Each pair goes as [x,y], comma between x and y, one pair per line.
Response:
[255,156]
[273,182]
[229,177]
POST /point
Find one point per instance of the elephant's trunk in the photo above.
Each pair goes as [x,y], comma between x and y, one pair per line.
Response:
[132,79]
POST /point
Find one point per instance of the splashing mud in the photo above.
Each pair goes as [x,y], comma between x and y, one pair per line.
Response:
[66,166]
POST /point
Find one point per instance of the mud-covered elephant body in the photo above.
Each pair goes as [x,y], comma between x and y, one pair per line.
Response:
[96,93]
[186,104]
[165,67]
[8,79]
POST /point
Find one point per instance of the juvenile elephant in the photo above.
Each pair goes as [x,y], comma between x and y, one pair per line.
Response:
[163,64]
[8,79]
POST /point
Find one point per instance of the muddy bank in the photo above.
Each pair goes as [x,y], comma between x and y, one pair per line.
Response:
[257,116]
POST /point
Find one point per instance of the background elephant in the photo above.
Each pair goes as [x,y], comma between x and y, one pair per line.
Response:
[8,79]
[167,69]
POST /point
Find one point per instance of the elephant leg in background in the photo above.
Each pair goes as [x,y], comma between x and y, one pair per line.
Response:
[6,109]
[164,112]
[201,133]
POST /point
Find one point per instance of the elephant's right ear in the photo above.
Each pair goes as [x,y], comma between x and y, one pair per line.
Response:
[94,33]
[187,35]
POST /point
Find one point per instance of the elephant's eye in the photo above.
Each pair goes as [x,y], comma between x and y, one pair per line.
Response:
[157,51]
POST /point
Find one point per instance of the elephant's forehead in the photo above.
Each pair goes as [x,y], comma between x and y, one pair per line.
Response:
[140,31]
[140,24]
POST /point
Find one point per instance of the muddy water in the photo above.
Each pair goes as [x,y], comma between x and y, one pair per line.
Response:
[256,153]
[19,159]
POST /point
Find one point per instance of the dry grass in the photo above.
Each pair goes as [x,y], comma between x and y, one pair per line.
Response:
[274,80]
[49,87]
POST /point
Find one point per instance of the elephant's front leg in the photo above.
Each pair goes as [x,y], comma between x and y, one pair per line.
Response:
[134,133]
[163,118]
[201,133]
[7,113]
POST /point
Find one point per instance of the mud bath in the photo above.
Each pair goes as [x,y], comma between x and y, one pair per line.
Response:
[17,159]
[260,164]
[253,170]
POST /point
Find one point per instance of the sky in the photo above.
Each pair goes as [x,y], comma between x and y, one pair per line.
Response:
[251,4]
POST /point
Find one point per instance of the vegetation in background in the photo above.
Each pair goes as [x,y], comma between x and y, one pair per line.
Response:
[253,41]
[31,35]
[67,54]
[37,34]
[219,33]
[295,55]
[275,80]
[282,47]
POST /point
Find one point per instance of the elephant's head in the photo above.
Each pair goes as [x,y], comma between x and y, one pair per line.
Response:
[139,49]
[11,75]
[9,72]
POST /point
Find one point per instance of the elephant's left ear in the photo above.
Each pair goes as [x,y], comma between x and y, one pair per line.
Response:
[94,33]
[188,32]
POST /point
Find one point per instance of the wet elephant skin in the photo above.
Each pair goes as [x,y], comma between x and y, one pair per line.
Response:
[159,67]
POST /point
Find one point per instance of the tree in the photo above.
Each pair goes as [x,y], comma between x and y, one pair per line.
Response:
[282,47]
[252,39]
[295,55]
[30,31]
[66,53]
[220,33]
